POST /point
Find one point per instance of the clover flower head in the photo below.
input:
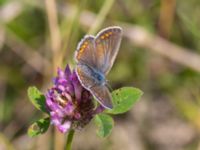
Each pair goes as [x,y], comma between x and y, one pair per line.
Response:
[70,105]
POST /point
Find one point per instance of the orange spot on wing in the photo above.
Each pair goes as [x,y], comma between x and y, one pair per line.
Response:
[84,46]
[82,49]
[102,37]
[107,35]
[78,70]
[79,73]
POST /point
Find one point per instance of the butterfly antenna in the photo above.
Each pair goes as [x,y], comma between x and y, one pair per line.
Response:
[110,88]
[108,85]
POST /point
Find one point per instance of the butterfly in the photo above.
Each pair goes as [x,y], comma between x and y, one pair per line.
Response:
[95,56]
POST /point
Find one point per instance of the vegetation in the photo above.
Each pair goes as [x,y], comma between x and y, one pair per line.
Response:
[159,53]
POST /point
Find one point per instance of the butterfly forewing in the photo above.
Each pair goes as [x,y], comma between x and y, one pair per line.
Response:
[85,52]
[107,44]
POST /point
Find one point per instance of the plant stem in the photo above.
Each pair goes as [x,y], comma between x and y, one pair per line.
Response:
[54,32]
[69,140]
[101,16]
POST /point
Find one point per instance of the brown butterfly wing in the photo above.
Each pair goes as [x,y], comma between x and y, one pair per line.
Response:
[85,53]
[107,44]
[98,53]
[85,76]
[102,94]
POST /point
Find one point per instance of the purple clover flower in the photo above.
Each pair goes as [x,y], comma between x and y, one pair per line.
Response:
[69,103]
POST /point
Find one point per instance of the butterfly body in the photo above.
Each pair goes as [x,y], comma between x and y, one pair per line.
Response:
[95,57]
[98,76]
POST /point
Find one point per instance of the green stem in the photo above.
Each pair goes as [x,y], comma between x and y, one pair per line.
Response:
[69,140]
[101,16]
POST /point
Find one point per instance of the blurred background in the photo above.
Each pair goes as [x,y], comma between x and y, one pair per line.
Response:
[159,53]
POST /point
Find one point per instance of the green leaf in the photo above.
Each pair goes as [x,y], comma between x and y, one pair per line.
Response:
[105,124]
[37,98]
[123,99]
[39,127]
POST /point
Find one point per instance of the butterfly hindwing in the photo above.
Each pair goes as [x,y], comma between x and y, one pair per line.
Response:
[85,76]
[102,94]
